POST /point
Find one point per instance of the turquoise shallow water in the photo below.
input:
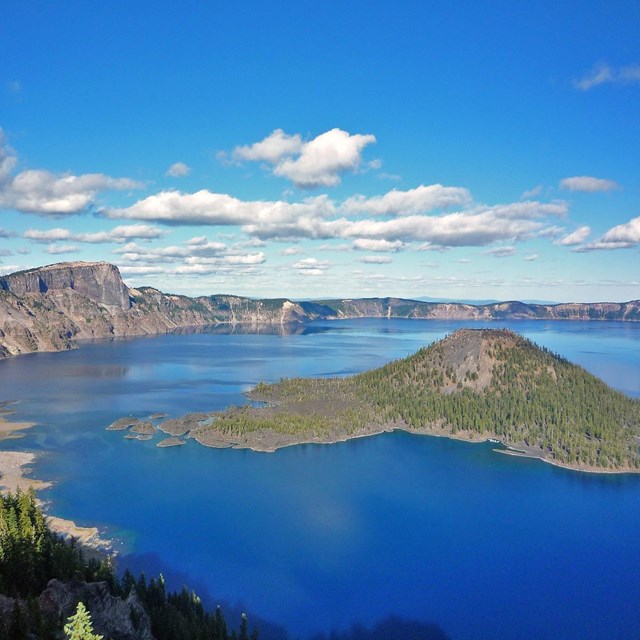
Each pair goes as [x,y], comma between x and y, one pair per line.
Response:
[317,537]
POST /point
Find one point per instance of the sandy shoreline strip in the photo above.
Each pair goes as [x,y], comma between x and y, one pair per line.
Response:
[8,428]
[14,465]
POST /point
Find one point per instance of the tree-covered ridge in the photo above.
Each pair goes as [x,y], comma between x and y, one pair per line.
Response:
[490,383]
[31,556]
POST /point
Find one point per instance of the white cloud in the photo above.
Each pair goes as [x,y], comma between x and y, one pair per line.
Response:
[8,159]
[251,258]
[364,244]
[311,264]
[479,227]
[56,249]
[271,149]
[197,240]
[134,253]
[291,251]
[552,231]
[138,270]
[207,208]
[196,258]
[629,232]
[334,247]
[178,170]
[45,193]
[316,218]
[317,163]
[532,193]
[118,234]
[588,184]
[312,272]
[622,236]
[606,74]
[35,191]
[501,252]
[10,268]
[629,74]
[6,234]
[323,159]
[575,237]
[376,259]
[414,201]
[532,257]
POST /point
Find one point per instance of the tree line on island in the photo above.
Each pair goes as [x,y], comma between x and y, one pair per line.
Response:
[474,383]
[31,556]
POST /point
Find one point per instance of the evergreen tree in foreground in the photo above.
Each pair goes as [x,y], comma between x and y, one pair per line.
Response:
[31,555]
[79,625]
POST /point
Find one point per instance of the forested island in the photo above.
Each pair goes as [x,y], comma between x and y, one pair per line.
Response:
[473,385]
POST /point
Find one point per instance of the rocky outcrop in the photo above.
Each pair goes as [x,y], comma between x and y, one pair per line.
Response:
[51,308]
[112,617]
[98,281]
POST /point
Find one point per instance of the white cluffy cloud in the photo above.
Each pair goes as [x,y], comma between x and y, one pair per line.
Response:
[120,234]
[502,252]
[46,193]
[178,170]
[588,184]
[316,163]
[376,259]
[532,193]
[321,218]
[207,208]
[311,266]
[622,236]
[385,246]
[575,237]
[414,201]
[272,149]
[606,74]
[197,256]
[56,249]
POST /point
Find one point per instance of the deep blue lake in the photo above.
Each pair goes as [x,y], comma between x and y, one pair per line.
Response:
[317,537]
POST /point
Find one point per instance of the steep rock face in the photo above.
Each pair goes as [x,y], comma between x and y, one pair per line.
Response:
[98,281]
[50,308]
[112,617]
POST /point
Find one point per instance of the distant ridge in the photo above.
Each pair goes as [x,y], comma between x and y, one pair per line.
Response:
[49,308]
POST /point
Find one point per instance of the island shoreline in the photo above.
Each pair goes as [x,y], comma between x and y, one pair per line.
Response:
[509,449]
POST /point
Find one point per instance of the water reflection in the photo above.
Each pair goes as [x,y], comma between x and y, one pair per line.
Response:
[97,371]
[255,329]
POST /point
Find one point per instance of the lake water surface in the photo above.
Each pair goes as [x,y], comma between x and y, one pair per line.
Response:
[317,537]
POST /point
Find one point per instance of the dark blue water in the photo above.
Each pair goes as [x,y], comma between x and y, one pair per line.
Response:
[321,536]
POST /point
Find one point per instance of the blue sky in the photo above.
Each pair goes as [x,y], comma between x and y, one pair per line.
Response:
[452,150]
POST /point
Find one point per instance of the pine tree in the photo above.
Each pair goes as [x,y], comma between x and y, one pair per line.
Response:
[79,625]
